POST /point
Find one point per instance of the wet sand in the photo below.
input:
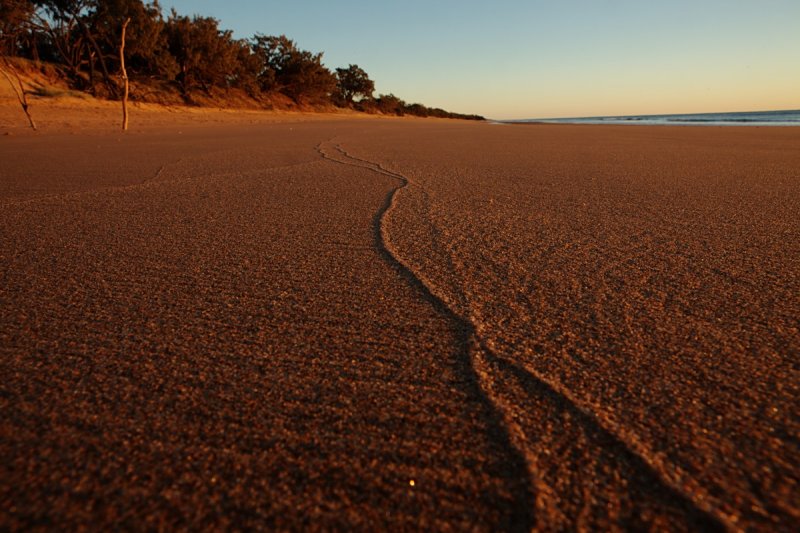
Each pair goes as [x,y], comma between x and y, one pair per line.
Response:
[400,324]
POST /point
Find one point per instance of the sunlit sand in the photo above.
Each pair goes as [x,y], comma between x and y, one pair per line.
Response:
[244,320]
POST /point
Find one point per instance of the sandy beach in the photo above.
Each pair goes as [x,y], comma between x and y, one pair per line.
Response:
[333,322]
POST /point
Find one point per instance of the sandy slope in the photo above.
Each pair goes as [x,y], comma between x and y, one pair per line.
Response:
[72,112]
[285,324]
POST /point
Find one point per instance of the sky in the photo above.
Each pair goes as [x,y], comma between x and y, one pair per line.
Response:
[516,59]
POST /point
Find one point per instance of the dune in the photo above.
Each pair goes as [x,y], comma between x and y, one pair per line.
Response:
[57,109]
[305,321]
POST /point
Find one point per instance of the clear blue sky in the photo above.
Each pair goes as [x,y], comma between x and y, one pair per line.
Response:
[547,58]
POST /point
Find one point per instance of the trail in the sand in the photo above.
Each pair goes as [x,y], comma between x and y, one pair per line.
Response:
[338,154]
[495,376]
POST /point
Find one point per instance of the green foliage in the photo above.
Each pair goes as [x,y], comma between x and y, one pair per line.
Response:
[389,104]
[353,83]
[15,15]
[205,54]
[285,68]
[146,46]
[417,110]
[246,66]
[59,23]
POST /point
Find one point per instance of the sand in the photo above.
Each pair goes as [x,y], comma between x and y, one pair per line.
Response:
[288,322]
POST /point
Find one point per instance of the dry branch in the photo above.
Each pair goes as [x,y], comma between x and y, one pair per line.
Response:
[124,76]
[22,96]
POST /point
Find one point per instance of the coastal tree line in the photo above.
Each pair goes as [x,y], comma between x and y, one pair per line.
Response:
[189,55]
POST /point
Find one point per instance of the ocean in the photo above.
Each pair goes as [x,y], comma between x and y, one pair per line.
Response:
[749,118]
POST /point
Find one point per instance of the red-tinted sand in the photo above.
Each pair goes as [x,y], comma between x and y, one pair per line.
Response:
[401,324]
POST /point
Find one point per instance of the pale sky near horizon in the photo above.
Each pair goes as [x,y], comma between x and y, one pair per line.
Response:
[546,58]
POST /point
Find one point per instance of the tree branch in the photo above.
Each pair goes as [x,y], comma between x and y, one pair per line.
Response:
[22,96]
[124,75]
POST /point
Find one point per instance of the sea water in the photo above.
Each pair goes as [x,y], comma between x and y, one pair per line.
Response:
[749,118]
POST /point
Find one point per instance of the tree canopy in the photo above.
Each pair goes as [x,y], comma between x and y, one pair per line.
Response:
[353,82]
[285,68]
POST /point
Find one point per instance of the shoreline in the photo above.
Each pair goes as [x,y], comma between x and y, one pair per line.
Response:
[644,124]
[788,117]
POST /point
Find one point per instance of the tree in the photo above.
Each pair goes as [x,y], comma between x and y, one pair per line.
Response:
[84,37]
[245,68]
[389,104]
[74,38]
[58,21]
[15,15]
[146,50]
[205,55]
[417,110]
[353,82]
[285,68]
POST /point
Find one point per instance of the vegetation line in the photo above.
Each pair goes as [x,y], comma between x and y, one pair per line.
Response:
[184,59]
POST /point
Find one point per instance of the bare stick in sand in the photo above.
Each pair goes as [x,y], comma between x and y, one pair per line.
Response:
[22,96]
[124,76]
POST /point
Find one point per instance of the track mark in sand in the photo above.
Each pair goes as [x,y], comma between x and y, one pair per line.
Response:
[161,171]
[147,181]
[523,517]
[481,363]
[683,491]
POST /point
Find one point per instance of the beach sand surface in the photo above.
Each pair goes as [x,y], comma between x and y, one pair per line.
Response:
[296,322]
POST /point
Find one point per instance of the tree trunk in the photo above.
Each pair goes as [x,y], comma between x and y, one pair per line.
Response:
[91,73]
[89,37]
[124,76]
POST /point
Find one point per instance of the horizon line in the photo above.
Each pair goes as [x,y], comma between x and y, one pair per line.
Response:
[654,115]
